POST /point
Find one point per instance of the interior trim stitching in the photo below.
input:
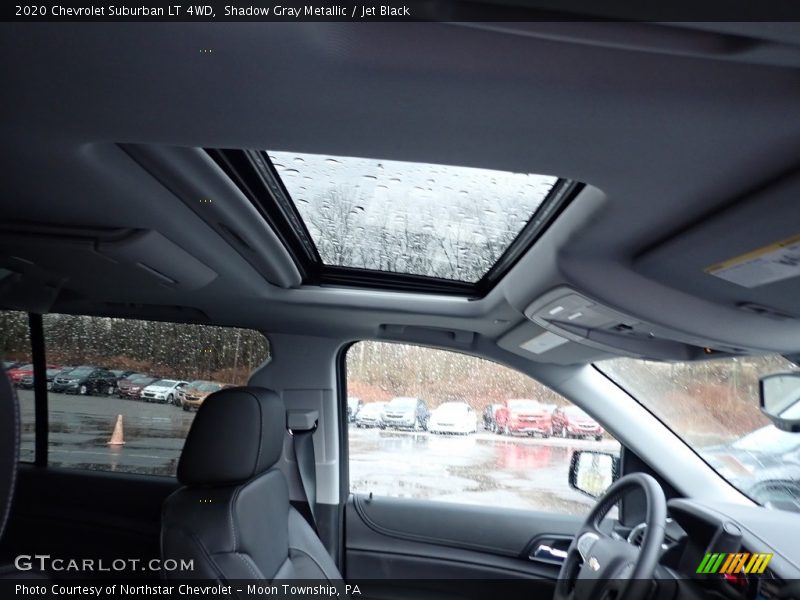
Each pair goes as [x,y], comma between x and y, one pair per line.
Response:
[250,565]
[203,550]
[232,501]
[314,560]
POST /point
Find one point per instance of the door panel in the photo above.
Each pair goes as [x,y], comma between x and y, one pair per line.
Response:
[418,544]
[72,513]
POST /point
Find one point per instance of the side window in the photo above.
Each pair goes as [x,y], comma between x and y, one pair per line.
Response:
[15,352]
[123,392]
[439,425]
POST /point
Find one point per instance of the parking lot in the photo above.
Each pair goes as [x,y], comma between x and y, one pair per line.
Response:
[81,426]
[481,468]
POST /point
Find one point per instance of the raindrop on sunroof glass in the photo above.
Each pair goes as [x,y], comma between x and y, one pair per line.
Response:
[435,220]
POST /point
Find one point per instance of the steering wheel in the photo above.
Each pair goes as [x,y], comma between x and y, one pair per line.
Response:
[599,566]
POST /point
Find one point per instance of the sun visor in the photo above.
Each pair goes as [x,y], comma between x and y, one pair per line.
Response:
[747,256]
[152,252]
[88,260]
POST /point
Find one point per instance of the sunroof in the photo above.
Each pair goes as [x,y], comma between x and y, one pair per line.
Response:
[445,222]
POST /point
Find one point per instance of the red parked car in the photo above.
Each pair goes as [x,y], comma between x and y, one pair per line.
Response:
[522,416]
[132,386]
[571,421]
[16,374]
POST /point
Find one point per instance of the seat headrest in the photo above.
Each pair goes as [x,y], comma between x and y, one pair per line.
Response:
[237,434]
[9,446]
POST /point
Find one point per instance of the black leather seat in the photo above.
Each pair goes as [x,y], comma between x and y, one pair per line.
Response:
[233,516]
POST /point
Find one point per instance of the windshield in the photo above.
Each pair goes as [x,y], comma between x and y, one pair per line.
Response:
[164,383]
[452,407]
[373,408]
[79,372]
[714,407]
[574,411]
[524,405]
[209,387]
[771,437]
[401,403]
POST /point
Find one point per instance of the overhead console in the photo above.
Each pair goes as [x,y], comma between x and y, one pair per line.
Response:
[572,316]
[726,284]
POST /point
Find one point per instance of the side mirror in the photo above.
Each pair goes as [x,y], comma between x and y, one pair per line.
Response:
[780,399]
[592,473]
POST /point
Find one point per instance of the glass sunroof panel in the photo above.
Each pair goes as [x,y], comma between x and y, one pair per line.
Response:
[413,218]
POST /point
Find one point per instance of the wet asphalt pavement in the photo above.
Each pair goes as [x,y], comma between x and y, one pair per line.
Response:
[81,426]
[481,468]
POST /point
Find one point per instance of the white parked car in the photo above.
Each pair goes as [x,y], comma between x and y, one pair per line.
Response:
[453,417]
[370,414]
[354,404]
[163,390]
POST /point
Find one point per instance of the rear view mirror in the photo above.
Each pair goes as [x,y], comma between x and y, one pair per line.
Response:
[593,472]
[780,399]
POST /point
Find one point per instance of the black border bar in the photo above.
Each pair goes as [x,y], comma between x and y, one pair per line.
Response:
[399,10]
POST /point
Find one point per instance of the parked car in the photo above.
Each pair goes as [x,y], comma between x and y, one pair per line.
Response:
[18,372]
[571,421]
[453,417]
[765,463]
[193,397]
[85,380]
[523,416]
[27,381]
[125,384]
[405,413]
[162,390]
[122,373]
[180,393]
[489,424]
[134,390]
[10,364]
[353,406]
[370,414]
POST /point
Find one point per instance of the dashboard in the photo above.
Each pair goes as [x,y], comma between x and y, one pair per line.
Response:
[708,550]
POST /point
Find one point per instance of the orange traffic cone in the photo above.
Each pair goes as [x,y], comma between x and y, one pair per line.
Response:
[117,437]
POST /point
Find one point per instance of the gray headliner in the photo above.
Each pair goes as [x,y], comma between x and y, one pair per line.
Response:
[667,137]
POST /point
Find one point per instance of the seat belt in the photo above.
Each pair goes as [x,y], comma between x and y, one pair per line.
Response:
[301,425]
